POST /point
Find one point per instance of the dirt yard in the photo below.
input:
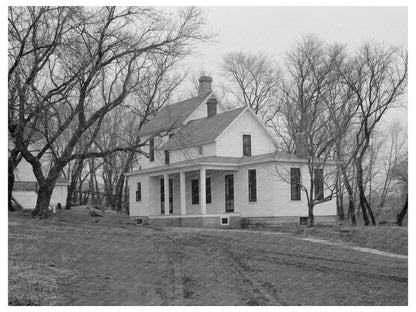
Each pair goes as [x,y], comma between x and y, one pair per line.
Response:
[75,259]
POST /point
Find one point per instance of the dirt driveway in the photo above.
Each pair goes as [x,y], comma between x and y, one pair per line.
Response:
[138,265]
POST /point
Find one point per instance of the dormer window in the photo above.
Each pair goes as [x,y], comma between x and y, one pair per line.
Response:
[166,157]
[246,145]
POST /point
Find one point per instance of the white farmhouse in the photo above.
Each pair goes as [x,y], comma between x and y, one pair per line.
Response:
[213,167]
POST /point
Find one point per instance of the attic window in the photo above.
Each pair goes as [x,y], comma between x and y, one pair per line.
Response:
[170,135]
[246,145]
[167,158]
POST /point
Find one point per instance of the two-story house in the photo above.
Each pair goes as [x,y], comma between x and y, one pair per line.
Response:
[211,167]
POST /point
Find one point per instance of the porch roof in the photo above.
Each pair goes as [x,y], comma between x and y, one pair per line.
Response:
[220,162]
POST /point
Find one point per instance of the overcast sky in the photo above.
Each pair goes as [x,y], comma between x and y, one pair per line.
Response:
[274,30]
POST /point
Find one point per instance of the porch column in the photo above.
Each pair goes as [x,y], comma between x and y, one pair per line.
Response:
[202,191]
[166,187]
[182,192]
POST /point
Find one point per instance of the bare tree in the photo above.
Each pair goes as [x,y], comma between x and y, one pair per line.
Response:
[312,97]
[400,173]
[93,68]
[254,81]
[34,34]
[378,77]
[395,152]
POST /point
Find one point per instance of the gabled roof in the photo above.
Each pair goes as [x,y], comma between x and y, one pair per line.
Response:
[172,116]
[202,131]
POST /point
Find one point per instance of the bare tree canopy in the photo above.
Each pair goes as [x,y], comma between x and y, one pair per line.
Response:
[377,76]
[69,67]
[254,81]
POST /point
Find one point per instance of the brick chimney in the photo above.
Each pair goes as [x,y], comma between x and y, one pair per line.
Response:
[300,144]
[211,106]
[205,85]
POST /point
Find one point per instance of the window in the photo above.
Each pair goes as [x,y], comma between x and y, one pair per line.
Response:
[195,191]
[166,157]
[152,150]
[319,183]
[170,135]
[162,195]
[208,190]
[200,150]
[170,196]
[246,145]
[139,192]
[252,189]
[295,184]
[225,221]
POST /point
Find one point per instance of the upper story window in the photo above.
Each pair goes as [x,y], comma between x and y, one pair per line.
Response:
[319,183]
[252,185]
[295,184]
[139,192]
[167,160]
[246,145]
[200,150]
[152,149]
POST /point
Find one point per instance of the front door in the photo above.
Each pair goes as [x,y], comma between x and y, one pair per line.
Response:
[229,193]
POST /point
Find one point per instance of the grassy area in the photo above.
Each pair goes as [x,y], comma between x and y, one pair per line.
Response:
[35,275]
[383,237]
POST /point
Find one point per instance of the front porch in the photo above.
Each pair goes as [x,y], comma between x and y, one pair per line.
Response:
[204,191]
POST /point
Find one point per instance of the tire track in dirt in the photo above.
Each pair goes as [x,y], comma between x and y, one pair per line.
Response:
[362,271]
[221,253]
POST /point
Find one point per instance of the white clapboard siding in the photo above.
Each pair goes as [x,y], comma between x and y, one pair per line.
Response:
[230,143]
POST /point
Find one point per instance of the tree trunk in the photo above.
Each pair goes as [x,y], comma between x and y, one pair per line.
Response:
[76,172]
[10,184]
[14,160]
[340,199]
[311,218]
[43,200]
[350,191]
[402,213]
[370,211]
[360,185]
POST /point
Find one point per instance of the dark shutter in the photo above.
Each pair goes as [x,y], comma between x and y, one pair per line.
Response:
[246,145]
[319,184]
[252,189]
[295,184]
[208,190]
[195,192]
